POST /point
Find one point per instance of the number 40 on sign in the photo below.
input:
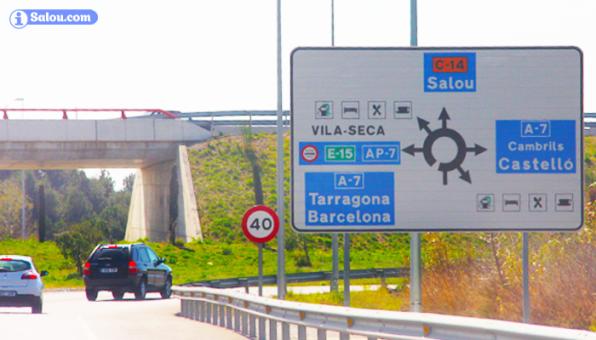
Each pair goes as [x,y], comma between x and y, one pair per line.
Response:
[260,224]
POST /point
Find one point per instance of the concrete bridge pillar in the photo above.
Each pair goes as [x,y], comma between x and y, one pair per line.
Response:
[163,203]
[188,224]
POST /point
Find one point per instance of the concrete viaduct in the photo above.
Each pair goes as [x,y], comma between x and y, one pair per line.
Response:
[163,198]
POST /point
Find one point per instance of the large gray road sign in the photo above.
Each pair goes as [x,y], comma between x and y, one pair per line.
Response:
[401,139]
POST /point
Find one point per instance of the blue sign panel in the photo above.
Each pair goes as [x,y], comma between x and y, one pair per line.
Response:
[349,198]
[535,146]
[450,72]
[353,153]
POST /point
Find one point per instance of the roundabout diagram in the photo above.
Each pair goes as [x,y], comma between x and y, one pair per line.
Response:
[444,132]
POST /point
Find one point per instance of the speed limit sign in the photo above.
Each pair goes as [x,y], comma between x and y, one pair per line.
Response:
[260,224]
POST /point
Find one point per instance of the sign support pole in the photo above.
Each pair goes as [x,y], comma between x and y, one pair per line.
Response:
[281,258]
[415,275]
[526,276]
[334,286]
[23,206]
[346,269]
[332,22]
[413,23]
[260,224]
[334,262]
[415,286]
[260,245]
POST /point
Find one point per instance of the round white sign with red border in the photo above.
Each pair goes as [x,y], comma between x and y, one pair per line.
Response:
[260,224]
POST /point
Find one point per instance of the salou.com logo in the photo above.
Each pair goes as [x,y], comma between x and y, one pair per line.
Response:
[22,18]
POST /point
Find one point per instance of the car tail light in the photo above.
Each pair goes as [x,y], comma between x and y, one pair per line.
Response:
[6,259]
[132,267]
[87,269]
[29,276]
[112,246]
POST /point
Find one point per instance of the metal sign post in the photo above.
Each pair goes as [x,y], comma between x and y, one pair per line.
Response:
[334,285]
[346,269]
[334,237]
[415,273]
[260,224]
[415,244]
[281,257]
[526,277]
[260,245]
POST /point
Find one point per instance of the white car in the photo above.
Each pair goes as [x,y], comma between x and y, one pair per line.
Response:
[20,283]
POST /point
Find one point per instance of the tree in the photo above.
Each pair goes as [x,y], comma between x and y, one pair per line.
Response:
[115,216]
[128,182]
[53,201]
[76,206]
[78,242]
[101,189]
[70,198]
[10,214]
[58,179]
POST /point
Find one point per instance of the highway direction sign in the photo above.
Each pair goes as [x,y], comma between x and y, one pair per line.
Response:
[260,224]
[403,139]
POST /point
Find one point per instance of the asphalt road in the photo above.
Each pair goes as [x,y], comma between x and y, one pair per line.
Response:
[68,315]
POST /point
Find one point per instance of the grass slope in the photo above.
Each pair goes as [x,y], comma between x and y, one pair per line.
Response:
[380,298]
[217,261]
[193,262]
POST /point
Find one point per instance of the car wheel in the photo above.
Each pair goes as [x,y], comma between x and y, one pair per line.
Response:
[36,308]
[117,294]
[141,290]
[166,291]
[91,294]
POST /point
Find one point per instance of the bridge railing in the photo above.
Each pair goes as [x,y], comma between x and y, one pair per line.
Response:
[590,124]
[268,118]
[265,318]
[211,120]
[67,113]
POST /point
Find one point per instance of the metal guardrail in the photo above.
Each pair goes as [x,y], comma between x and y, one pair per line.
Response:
[210,119]
[381,273]
[209,124]
[590,124]
[265,318]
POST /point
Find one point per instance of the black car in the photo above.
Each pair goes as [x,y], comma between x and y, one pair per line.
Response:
[122,268]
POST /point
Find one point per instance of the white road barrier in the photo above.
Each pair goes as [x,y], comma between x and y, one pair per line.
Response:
[266,318]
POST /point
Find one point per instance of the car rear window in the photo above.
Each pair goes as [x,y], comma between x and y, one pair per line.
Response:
[111,254]
[14,265]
